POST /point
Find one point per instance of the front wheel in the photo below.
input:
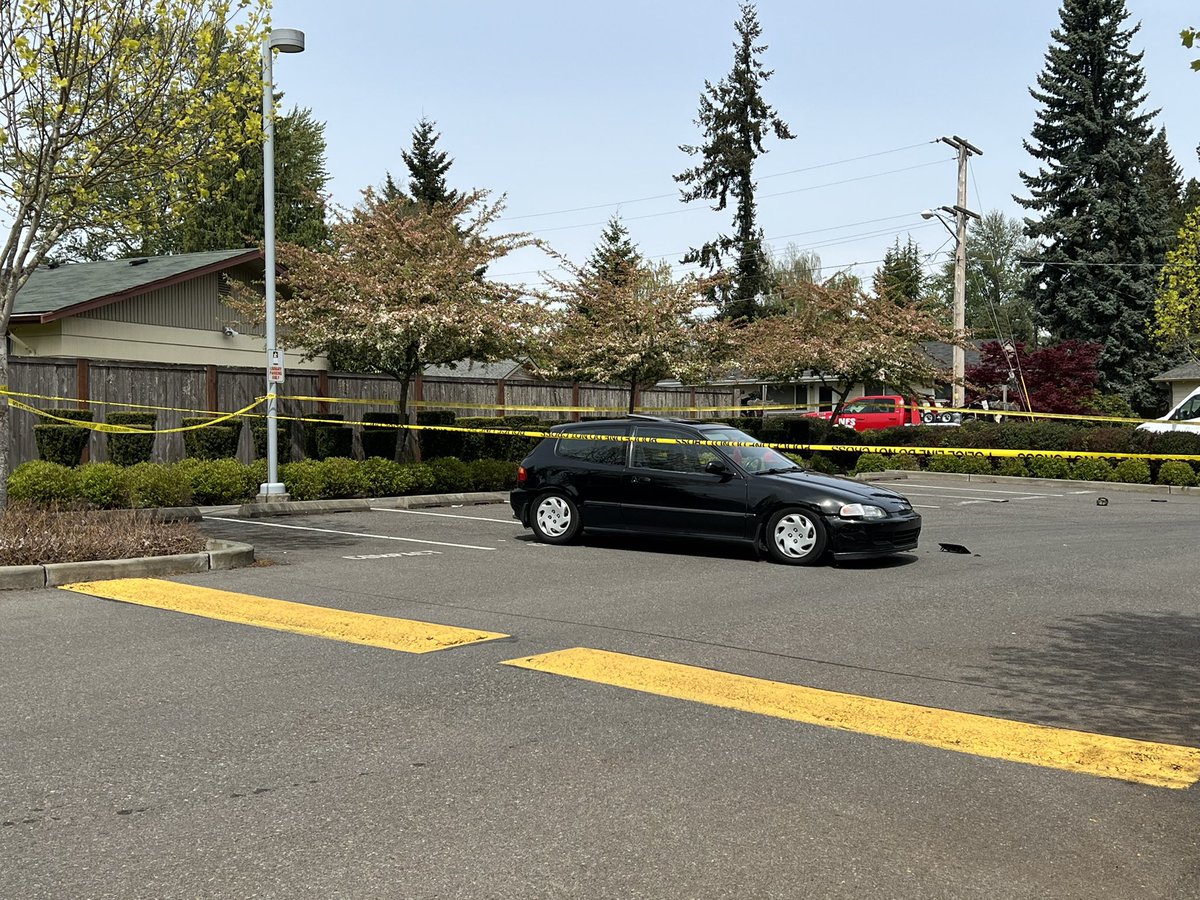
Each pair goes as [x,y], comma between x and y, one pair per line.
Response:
[555,519]
[796,537]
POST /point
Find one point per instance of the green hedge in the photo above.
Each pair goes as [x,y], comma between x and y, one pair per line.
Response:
[125,448]
[379,434]
[60,443]
[213,441]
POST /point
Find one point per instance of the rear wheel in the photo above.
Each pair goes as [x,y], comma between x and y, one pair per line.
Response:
[555,518]
[796,537]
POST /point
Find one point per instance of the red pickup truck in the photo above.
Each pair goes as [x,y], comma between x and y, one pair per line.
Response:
[889,411]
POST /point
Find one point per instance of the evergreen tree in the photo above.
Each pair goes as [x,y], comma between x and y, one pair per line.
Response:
[1164,181]
[901,276]
[735,119]
[615,257]
[995,303]
[427,167]
[1100,237]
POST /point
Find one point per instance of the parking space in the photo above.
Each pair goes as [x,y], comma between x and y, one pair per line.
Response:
[637,712]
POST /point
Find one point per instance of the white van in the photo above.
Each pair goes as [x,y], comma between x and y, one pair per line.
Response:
[1184,417]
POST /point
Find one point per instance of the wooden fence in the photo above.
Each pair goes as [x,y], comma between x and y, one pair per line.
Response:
[174,392]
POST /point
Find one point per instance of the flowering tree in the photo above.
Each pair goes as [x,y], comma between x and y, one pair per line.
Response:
[845,335]
[1177,306]
[109,110]
[633,330]
[399,289]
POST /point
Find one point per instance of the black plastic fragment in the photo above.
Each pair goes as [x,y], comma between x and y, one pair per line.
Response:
[1102,501]
[953,548]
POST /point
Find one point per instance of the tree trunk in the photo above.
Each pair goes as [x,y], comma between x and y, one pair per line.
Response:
[403,447]
[632,394]
[5,421]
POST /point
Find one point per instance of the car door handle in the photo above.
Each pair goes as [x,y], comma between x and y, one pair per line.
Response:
[639,479]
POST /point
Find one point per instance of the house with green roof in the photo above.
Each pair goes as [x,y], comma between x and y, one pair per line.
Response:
[156,309]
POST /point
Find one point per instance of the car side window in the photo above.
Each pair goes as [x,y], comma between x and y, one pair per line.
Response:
[666,457]
[1189,410]
[609,452]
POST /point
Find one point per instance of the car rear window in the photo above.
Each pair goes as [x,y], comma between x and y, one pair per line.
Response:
[587,448]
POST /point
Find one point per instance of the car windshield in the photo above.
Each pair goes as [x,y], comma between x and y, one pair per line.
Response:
[757,457]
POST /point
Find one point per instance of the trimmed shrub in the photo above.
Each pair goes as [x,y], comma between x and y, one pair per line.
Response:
[419,479]
[148,485]
[1011,466]
[342,477]
[380,441]
[450,475]
[965,465]
[1132,471]
[61,443]
[125,448]
[1049,467]
[904,462]
[1176,472]
[215,482]
[102,485]
[304,480]
[211,441]
[41,482]
[435,444]
[819,462]
[382,476]
[493,474]
[871,462]
[1105,439]
[333,441]
[1091,470]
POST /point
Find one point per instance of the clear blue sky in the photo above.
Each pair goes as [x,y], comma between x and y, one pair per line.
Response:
[576,111]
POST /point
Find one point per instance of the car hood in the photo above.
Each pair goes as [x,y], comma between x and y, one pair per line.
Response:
[847,490]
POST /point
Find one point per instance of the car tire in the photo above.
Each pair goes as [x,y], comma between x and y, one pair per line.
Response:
[947,418]
[796,537]
[555,518]
[928,417]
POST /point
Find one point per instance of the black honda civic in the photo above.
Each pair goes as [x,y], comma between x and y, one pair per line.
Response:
[704,480]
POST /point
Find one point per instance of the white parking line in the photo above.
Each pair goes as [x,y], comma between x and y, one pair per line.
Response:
[381,537]
[421,512]
[980,490]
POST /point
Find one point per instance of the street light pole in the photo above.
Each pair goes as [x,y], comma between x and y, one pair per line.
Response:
[286,40]
[958,387]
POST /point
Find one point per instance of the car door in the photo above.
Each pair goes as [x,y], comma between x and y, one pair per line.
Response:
[668,489]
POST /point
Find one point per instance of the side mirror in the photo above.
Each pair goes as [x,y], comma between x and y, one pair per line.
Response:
[716,467]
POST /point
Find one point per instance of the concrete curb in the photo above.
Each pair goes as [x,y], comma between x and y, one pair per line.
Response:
[217,555]
[258,510]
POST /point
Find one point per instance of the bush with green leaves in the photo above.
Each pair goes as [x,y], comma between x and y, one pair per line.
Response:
[1176,472]
[379,434]
[210,441]
[904,462]
[41,482]
[450,474]
[128,448]
[871,462]
[59,442]
[334,441]
[1012,467]
[383,476]
[102,485]
[493,474]
[1048,467]
[342,478]
[150,485]
[965,465]
[1132,471]
[434,442]
[1091,469]
[214,482]
[303,480]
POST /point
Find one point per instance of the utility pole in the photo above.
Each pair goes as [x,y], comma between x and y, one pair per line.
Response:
[965,149]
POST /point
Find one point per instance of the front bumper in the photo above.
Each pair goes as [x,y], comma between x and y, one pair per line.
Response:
[855,539]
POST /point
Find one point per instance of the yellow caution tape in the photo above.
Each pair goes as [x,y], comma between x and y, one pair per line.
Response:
[112,428]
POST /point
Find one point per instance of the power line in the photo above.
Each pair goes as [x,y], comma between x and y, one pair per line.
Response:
[675,195]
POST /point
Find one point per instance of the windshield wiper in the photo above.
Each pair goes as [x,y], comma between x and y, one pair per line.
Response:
[777,469]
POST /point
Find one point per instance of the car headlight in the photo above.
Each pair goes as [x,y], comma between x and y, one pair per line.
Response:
[861,511]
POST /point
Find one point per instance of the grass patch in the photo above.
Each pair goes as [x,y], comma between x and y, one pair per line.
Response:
[33,535]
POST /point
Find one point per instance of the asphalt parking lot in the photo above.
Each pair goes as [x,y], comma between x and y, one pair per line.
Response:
[152,754]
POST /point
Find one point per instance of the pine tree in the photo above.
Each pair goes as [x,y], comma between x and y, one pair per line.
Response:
[901,276]
[1100,237]
[427,167]
[735,119]
[1164,180]
[615,258]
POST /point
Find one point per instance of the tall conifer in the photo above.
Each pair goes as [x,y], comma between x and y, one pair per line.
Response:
[735,119]
[1100,237]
